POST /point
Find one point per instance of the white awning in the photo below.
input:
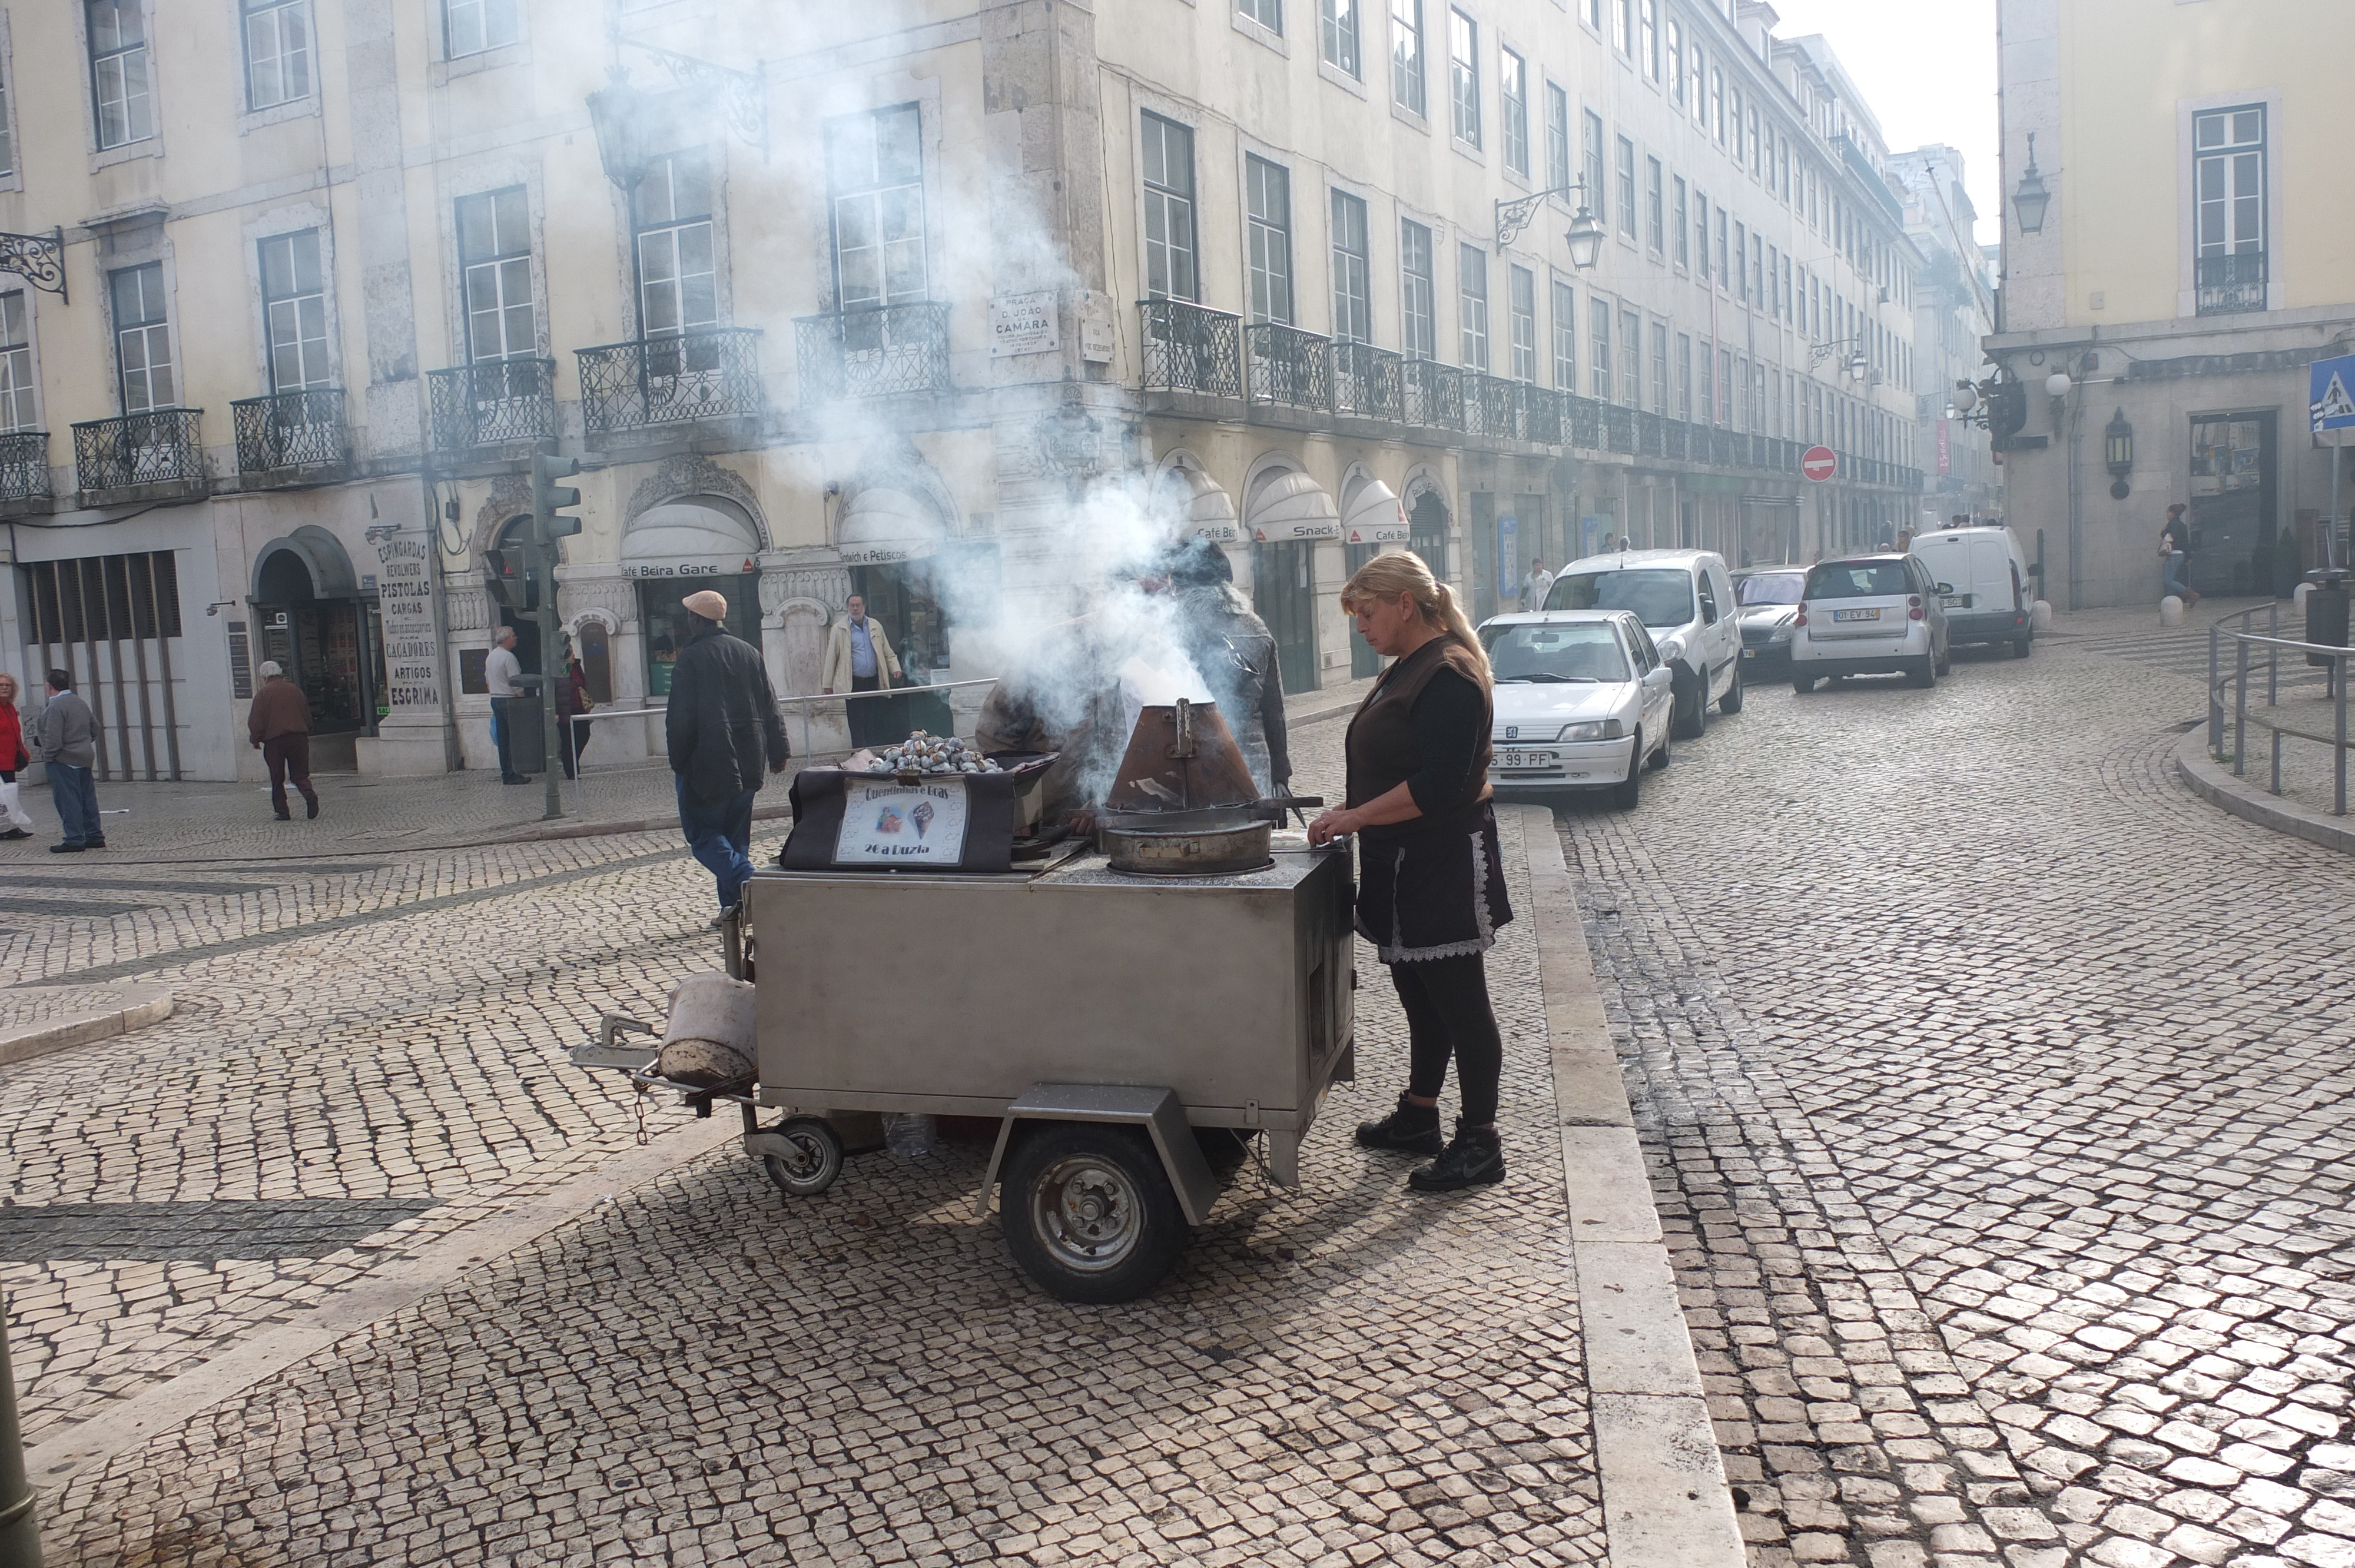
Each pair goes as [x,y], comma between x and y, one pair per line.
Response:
[1209,511]
[1375,517]
[881,526]
[685,540]
[1292,506]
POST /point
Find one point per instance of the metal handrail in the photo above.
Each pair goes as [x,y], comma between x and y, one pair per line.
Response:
[2338,663]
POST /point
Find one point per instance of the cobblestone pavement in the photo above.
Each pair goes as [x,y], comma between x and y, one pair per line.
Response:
[702,1370]
[1998,1091]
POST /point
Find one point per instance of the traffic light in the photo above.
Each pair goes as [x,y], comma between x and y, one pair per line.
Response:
[512,579]
[549,522]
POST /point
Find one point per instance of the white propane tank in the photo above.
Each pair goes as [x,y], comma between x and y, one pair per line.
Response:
[712,1034]
[2170,611]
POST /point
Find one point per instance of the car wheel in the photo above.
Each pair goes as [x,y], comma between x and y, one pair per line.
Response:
[1628,791]
[1732,702]
[1924,675]
[2019,647]
[1659,758]
[1692,712]
[1803,684]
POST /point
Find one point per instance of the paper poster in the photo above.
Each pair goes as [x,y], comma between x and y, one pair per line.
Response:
[890,823]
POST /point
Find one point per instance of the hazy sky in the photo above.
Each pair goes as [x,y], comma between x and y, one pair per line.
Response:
[1928,69]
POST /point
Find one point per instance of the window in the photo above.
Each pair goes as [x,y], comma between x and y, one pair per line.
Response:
[294,311]
[470,27]
[1676,221]
[1406,54]
[118,71]
[876,176]
[1513,106]
[1337,33]
[1741,394]
[16,409]
[1170,269]
[1592,126]
[1268,13]
[1700,229]
[277,53]
[1523,306]
[1631,359]
[1472,280]
[1622,26]
[1565,338]
[1724,267]
[1267,197]
[1733,116]
[1463,76]
[1353,293]
[1676,61]
[1418,296]
[1716,116]
[1656,218]
[2228,149]
[1693,70]
[1725,386]
[1740,260]
[1598,335]
[1757,165]
[1590,12]
[495,268]
[1659,367]
[1557,137]
[1626,187]
[142,338]
[1759,294]
[1684,376]
[1708,387]
[679,291]
[1773,300]
[1647,37]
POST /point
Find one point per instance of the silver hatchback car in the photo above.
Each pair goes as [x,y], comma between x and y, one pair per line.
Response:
[1870,615]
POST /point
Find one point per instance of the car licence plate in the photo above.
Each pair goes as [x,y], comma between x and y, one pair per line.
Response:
[1954,601]
[1750,652]
[1526,759]
[1856,615]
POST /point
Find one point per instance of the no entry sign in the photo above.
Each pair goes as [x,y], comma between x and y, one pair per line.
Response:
[1819,463]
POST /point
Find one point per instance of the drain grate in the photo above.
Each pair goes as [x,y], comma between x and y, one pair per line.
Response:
[204,1232]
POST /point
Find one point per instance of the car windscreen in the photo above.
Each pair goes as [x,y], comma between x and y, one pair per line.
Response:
[1774,588]
[1860,579]
[1658,596]
[1538,653]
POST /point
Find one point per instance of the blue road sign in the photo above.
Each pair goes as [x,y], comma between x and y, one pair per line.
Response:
[2329,403]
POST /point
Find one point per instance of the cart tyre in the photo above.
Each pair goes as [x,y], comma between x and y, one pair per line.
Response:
[820,1160]
[1089,1212]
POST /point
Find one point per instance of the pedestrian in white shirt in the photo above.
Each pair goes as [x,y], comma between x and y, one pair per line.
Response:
[1535,587]
[499,673]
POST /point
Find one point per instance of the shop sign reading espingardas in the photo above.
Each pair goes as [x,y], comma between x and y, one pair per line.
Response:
[404,589]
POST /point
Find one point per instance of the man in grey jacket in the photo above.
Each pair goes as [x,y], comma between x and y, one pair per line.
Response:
[68,734]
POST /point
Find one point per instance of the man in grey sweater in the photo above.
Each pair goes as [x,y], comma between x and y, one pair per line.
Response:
[68,734]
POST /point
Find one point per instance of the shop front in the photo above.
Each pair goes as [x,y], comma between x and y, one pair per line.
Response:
[674,550]
[1288,514]
[314,622]
[1373,521]
[896,546]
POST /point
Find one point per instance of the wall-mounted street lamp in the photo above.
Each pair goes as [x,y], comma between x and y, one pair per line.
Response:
[2031,198]
[1585,236]
[2118,450]
[629,122]
[1852,364]
[38,258]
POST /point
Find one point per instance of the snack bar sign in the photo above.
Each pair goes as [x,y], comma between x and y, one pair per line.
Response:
[901,824]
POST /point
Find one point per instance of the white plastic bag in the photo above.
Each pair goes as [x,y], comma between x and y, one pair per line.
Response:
[11,809]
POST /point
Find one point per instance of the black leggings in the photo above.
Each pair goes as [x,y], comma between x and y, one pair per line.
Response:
[1447,1014]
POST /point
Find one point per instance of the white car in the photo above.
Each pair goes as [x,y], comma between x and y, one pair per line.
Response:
[1986,589]
[1582,701]
[1870,615]
[1685,599]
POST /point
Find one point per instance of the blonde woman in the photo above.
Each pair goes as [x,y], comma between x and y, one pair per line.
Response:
[1431,882]
[13,758]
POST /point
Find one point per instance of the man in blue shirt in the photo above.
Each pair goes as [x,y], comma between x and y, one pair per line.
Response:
[858,658]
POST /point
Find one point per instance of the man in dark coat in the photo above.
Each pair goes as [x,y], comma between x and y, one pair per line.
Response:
[722,726]
[1236,655]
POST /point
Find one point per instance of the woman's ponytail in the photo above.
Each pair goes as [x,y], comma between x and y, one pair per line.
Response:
[1451,620]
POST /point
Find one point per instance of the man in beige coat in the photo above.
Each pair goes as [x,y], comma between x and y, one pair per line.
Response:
[858,658]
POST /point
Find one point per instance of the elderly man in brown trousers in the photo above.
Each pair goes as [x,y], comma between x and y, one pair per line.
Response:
[280,723]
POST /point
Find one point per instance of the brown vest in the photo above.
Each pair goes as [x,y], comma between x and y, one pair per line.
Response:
[1381,749]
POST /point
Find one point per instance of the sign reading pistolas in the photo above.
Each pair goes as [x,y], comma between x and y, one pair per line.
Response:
[890,823]
[405,601]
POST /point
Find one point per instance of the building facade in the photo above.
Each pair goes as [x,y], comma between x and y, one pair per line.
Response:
[1953,309]
[2160,314]
[871,299]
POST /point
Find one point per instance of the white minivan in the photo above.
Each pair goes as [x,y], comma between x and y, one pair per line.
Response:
[1685,599]
[1988,591]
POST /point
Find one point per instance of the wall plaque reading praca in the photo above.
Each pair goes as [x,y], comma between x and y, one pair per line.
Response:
[1024,324]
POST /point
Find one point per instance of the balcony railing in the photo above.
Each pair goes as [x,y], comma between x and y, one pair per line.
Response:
[162,446]
[289,430]
[1585,422]
[493,403]
[24,465]
[671,379]
[2231,285]
[1366,382]
[1190,349]
[876,351]
[1542,420]
[1492,407]
[1288,368]
[1433,395]
[1619,428]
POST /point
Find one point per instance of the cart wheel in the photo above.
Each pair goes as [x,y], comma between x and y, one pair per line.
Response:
[815,1161]
[1088,1212]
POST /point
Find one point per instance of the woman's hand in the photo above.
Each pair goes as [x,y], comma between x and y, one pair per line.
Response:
[1332,825]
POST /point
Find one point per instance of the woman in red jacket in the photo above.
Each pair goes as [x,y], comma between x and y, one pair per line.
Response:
[13,757]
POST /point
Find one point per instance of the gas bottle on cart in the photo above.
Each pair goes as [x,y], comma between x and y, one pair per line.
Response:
[711,1037]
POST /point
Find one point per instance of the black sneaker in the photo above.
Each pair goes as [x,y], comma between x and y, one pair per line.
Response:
[1476,1158]
[310,805]
[15,833]
[1410,1129]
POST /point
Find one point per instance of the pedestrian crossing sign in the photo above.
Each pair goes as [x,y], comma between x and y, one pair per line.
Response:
[2329,404]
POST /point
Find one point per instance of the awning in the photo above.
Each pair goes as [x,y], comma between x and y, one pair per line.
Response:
[1375,517]
[1209,511]
[1292,506]
[685,540]
[881,526]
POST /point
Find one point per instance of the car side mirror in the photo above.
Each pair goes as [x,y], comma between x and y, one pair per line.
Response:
[1946,587]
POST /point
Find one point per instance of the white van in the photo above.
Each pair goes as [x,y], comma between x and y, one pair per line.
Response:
[1986,589]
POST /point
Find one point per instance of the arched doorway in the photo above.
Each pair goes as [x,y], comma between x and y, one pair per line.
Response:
[514,535]
[1427,531]
[327,636]
[1373,521]
[1286,513]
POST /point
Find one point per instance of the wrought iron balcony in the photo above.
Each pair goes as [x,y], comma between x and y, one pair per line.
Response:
[1541,417]
[493,403]
[1619,428]
[1288,366]
[24,465]
[1651,435]
[1366,382]
[1585,422]
[1433,395]
[1491,407]
[2231,285]
[290,430]
[1190,349]
[161,446]
[876,351]
[671,379]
